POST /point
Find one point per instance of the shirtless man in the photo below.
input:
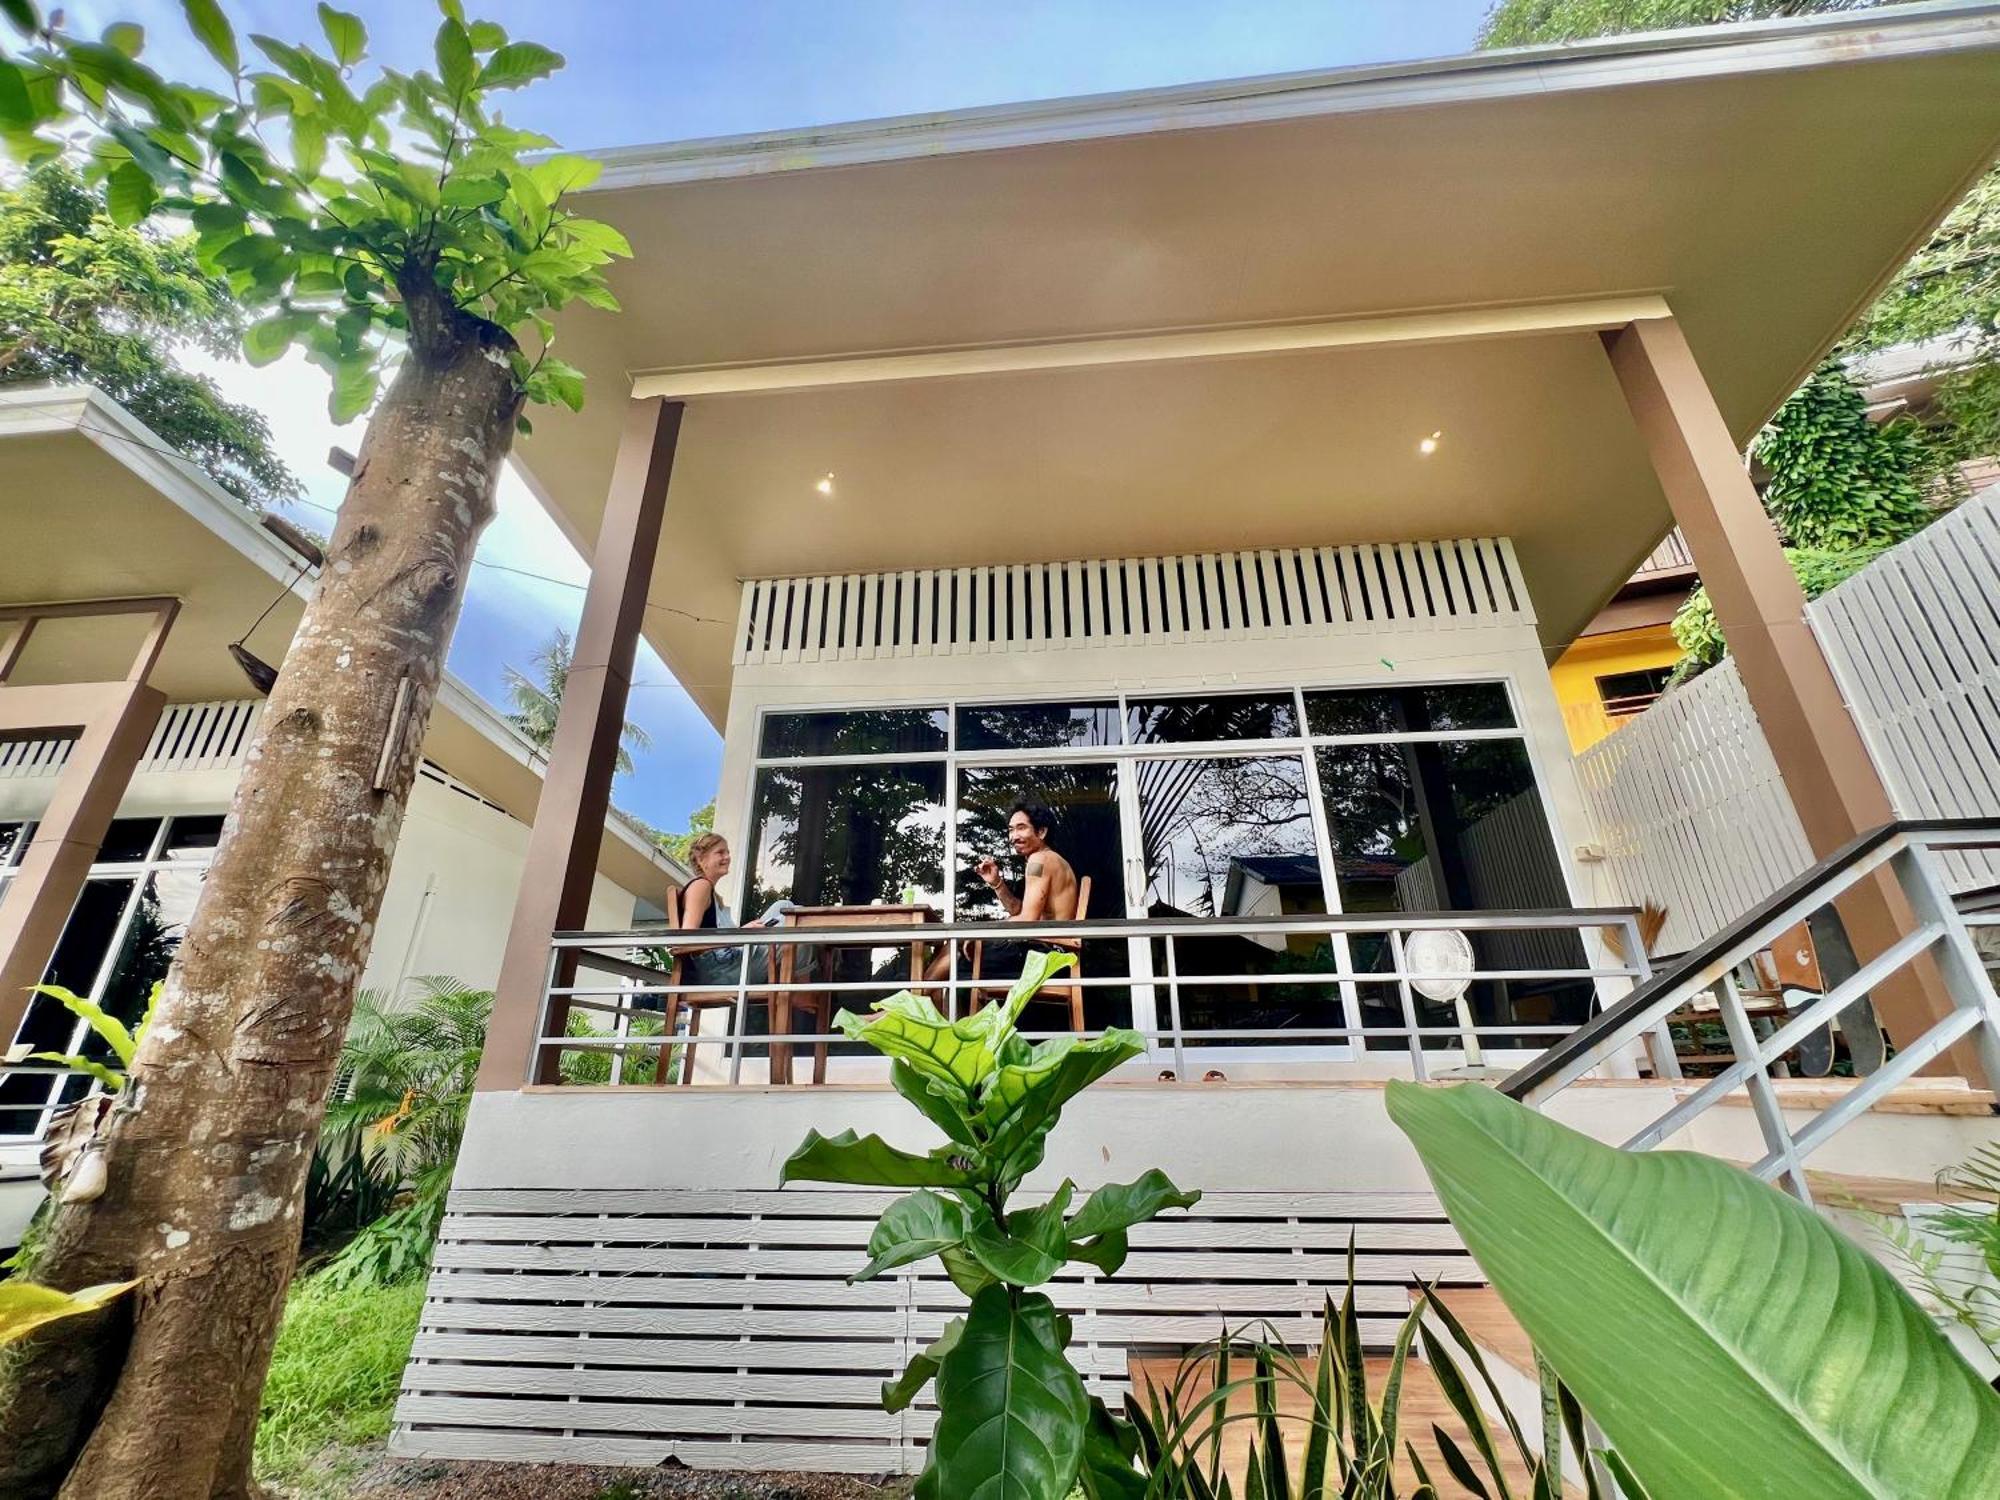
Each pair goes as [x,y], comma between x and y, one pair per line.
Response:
[1048,894]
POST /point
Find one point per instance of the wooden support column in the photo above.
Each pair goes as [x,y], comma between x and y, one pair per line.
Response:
[115,721]
[1761,609]
[576,791]
[112,723]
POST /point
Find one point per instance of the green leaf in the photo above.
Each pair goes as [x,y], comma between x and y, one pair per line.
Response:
[129,194]
[1107,1252]
[127,37]
[955,1055]
[211,27]
[867,1159]
[1110,1455]
[1806,1370]
[354,385]
[943,1108]
[1011,1411]
[27,20]
[913,1227]
[308,144]
[17,109]
[454,57]
[344,34]
[1120,1205]
[900,1392]
[96,1017]
[1031,1248]
[518,63]
[564,382]
[267,339]
[24,1307]
[465,191]
[485,35]
[1022,1104]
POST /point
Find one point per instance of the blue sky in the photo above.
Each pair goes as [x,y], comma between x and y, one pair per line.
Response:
[660,70]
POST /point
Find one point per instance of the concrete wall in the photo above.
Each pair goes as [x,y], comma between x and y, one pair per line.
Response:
[451,893]
[1223,1137]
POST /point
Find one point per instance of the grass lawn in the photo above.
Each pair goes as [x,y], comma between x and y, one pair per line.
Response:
[333,1381]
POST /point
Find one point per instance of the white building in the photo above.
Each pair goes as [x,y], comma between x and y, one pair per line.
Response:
[96,508]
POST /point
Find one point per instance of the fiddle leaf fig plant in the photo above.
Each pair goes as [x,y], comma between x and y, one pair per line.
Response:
[1014,1418]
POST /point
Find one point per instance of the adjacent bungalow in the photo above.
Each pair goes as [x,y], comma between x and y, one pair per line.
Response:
[125,580]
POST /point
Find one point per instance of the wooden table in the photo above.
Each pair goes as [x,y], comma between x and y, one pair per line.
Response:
[787,967]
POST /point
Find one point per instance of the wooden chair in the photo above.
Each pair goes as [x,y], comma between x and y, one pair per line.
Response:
[1062,991]
[695,1003]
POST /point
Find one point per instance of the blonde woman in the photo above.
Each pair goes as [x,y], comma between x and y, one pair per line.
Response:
[702,907]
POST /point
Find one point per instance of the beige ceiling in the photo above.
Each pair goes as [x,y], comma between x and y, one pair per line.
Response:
[1765,207]
[77,523]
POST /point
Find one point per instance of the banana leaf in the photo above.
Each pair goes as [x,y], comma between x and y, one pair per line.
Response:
[1726,1338]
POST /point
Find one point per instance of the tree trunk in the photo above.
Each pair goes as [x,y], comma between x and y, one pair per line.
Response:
[208,1149]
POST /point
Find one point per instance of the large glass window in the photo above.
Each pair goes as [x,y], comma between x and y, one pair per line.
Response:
[1213,718]
[1451,825]
[1253,805]
[121,936]
[1082,798]
[1233,836]
[1037,726]
[847,835]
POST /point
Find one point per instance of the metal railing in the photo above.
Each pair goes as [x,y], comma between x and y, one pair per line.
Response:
[604,977]
[1910,852]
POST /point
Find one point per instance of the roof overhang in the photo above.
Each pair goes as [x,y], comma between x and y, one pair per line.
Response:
[1222,316]
[97,506]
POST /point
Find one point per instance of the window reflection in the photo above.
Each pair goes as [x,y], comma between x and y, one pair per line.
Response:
[1428,708]
[1451,825]
[1037,726]
[1233,837]
[1214,718]
[847,835]
[875,731]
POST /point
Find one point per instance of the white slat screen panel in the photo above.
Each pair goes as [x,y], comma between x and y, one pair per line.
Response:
[1133,601]
[1691,809]
[718,1328]
[1914,639]
[188,737]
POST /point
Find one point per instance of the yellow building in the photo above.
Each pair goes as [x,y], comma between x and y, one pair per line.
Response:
[1619,664]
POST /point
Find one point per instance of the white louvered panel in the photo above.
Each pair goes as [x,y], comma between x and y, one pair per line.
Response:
[630,1327]
[1392,587]
[187,737]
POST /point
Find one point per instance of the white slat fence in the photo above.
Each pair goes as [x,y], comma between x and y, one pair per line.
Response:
[1691,811]
[1284,591]
[1914,639]
[1687,798]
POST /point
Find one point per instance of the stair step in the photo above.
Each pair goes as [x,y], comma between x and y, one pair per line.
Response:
[1928,1096]
[1883,1195]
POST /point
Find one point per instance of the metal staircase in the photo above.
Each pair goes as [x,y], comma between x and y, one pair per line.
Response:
[1910,851]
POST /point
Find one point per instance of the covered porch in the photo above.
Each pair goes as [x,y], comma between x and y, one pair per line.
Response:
[1219,467]
[1193,458]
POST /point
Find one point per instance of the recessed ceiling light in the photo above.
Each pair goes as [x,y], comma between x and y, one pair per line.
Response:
[1428,446]
[825,484]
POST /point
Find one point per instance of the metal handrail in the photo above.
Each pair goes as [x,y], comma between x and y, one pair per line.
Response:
[631,983]
[1908,850]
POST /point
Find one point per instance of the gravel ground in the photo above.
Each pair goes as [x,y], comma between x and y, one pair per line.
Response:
[419,1479]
